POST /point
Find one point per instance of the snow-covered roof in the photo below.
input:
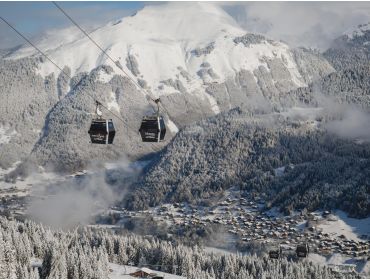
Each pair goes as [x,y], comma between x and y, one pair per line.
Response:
[124,271]
[146,270]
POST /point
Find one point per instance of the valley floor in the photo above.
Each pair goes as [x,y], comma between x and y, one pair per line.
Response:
[237,219]
[333,238]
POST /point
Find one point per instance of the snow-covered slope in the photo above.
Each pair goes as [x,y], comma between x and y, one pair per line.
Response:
[351,228]
[193,55]
[162,38]
[164,42]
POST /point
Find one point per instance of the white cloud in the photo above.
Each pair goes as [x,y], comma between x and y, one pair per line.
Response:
[77,200]
[309,24]
[354,124]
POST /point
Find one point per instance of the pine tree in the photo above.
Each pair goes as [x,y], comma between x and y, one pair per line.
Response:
[10,260]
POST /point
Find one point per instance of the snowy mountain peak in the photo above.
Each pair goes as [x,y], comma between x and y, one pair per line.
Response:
[197,21]
[162,37]
[193,24]
[174,48]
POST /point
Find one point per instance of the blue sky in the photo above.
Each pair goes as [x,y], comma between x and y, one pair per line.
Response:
[32,18]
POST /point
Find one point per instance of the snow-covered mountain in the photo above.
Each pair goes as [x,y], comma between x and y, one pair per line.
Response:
[193,55]
[154,43]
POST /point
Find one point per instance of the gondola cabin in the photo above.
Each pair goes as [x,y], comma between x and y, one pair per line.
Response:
[302,251]
[102,131]
[274,254]
[152,129]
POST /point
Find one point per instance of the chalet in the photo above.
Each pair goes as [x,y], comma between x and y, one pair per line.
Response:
[145,273]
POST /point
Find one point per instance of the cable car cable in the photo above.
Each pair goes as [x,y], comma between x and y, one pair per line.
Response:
[128,127]
[146,93]
[56,65]
[151,130]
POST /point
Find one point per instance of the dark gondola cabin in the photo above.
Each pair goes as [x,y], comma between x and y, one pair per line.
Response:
[152,129]
[274,254]
[102,131]
[302,251]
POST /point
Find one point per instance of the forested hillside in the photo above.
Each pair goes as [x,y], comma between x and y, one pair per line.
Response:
[350,50]
[45,121]
[26,99]
[237,148]
[86,253]
[349,86]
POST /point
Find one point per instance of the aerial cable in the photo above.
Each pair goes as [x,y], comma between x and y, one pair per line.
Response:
[69,76]
[146,93]
[29,42]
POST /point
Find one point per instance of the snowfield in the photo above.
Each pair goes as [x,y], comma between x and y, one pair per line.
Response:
[172,126]
[349,227]
[104,77]
[113,104]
